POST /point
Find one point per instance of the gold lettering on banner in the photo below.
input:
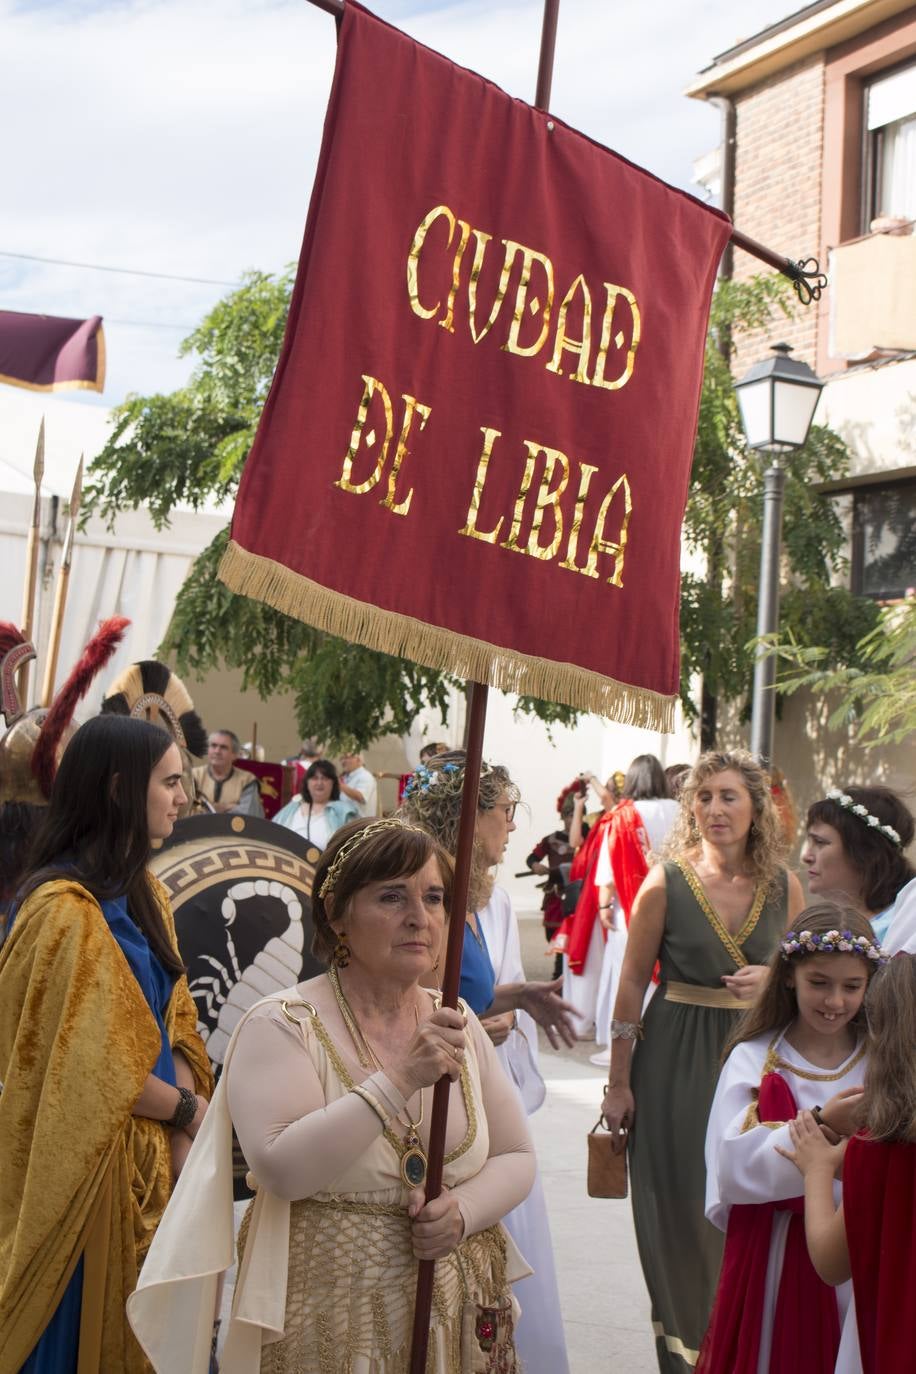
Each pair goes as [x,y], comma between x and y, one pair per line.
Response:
[411,407]
[413,259]
[581,348]
[480,250]
[470,526]
[548,497]
[528,300]
[586,472]
[518,514]
[446,321]
[345,480]
[616,548]
[529,258]
[550,492]
[614,293]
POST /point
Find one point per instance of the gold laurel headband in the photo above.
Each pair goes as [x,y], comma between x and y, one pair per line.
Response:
[352,844]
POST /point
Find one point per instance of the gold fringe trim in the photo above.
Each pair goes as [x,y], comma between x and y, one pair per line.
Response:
[251,574]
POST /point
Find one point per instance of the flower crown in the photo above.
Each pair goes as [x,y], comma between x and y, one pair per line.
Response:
[857,809]
[354,842]
[833,942]
[446,780]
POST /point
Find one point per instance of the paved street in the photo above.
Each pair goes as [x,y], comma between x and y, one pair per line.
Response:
[604,1300]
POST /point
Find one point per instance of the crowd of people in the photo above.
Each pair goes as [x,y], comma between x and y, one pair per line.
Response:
[759,1054]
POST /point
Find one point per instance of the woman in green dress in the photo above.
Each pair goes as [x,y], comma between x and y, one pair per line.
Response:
[711,916]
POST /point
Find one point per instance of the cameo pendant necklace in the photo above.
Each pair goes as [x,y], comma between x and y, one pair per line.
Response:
[414,1162]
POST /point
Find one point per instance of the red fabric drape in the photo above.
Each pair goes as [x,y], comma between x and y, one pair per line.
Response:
[806,1326]
[628,844]
[574,934]
[879,1205]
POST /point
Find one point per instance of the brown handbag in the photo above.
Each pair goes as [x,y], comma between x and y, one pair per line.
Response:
[607,1167]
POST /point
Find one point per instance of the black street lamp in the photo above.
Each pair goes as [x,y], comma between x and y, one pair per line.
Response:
[777,400]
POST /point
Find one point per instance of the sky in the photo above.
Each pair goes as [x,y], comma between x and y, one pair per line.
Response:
[180,136]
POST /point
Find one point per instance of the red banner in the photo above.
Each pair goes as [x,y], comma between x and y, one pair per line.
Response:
[477,445]
[270,778]
[47,353]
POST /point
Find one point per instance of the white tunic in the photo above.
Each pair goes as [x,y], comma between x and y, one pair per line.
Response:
[742,1164]
[539,1337]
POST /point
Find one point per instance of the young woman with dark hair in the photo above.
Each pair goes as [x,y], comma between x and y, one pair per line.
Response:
[104,1073]
[854,850]
[319,810]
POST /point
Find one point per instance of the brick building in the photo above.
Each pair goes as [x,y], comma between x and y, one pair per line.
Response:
[818,158]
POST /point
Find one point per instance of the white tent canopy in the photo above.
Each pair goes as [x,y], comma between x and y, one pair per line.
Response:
[133,570]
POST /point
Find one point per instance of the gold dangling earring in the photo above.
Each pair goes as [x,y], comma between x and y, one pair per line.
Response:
[341,955]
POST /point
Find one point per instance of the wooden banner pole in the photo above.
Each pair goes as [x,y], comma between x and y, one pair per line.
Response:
[451,977]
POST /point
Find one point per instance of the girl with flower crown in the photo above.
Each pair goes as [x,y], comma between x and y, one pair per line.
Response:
[801,1045]
[870,1238]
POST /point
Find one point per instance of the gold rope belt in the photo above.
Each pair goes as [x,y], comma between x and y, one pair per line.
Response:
[695,995]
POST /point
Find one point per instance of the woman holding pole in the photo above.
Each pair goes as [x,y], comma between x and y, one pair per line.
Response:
[329,1087]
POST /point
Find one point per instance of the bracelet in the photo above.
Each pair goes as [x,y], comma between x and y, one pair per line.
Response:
[372,1102]
[604,908]
[626,1030]
[816,1113]
[185,1111]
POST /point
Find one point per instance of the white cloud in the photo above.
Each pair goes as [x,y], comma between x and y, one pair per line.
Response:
[181,135]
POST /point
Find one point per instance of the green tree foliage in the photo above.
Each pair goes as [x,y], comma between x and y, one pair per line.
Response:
[722,526]
[877,698]
[190,445]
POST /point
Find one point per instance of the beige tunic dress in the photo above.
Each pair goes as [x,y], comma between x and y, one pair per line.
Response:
[326,1281]
[352,1275]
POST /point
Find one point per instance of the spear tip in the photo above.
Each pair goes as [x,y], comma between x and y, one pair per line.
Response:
[76,494]
[39,469]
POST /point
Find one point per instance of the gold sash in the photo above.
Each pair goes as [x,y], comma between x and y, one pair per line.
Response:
[696,995]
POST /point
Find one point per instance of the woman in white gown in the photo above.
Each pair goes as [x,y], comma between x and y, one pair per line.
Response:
[654,812]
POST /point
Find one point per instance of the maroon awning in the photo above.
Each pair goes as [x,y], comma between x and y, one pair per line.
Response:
[47,353]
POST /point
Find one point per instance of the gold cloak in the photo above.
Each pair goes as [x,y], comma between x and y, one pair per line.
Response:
[79,1175]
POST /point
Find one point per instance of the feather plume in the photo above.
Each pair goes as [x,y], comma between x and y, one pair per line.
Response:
[9,637]
[96,654]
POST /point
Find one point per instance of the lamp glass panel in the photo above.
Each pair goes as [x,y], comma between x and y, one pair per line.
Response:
[793,410]
[754,403]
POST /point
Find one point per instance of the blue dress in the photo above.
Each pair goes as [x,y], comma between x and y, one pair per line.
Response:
[478,981]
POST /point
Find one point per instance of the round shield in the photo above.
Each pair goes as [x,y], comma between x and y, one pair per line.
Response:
[241,890]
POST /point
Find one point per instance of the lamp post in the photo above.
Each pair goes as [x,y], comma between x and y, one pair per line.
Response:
[777,400]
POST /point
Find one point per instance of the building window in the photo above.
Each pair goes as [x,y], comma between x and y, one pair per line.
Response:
[890,109]
[884,540]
